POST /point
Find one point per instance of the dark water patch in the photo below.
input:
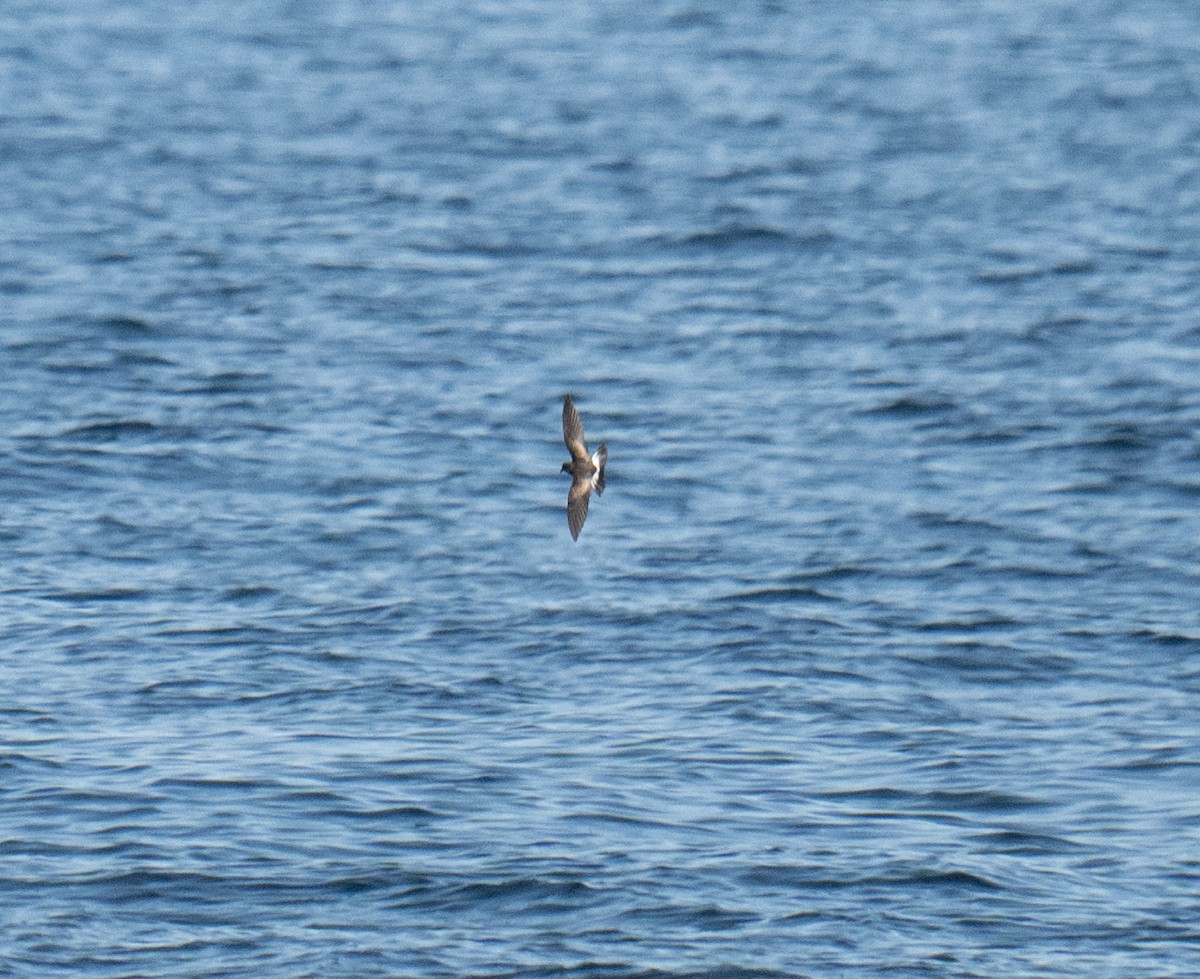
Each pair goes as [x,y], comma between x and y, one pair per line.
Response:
[836,572]
[1156,763]
[631,822]
[783,594]
[125,325]
[1075,266]
[95,364]
[958,521]
[799,876]
[1124,436]
[967,801]
[737,236]
[815,671]
[111,431]
[1186,488]
[988,663]
[818,878]
[1135,247]
[525,894]
[1168,638]
[1004,275]
[1065,571]
[389,815]
[1049,328]
[736,174]
[214,786]
[22,760]
[126,804]
[991,435]
[953,880]
[369,883]
[141,886]
[242,593]
[910,406]
[219,636]
[982,619]
[1029,844]
[117,593]
[230,382]
[1019,273]
[696,918]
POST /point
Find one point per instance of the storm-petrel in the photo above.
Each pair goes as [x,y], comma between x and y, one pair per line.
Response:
[587,471]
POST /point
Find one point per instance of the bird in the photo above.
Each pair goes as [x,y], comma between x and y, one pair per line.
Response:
[587,471]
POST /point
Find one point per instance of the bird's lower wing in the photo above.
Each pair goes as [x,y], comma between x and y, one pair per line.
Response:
[577,506]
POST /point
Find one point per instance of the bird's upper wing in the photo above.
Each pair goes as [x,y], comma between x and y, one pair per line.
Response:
[577,505]
[573,432]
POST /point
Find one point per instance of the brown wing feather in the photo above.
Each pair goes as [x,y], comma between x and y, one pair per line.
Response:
[573,432]
[577,506]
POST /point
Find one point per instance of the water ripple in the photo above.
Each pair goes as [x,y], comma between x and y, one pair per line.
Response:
[879,652]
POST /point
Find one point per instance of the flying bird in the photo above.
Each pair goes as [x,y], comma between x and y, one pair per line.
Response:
[587,471]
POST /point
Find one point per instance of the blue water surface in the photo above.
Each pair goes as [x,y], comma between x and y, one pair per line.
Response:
[879,656]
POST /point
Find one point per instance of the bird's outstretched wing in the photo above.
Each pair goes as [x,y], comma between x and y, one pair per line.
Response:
[573,435]
[577,505]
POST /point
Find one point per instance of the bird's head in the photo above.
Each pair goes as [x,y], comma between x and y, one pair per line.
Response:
[567,468]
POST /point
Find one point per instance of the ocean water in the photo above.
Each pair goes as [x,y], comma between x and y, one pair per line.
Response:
[879,656]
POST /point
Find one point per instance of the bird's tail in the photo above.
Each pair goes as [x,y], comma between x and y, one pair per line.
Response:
[598,460]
